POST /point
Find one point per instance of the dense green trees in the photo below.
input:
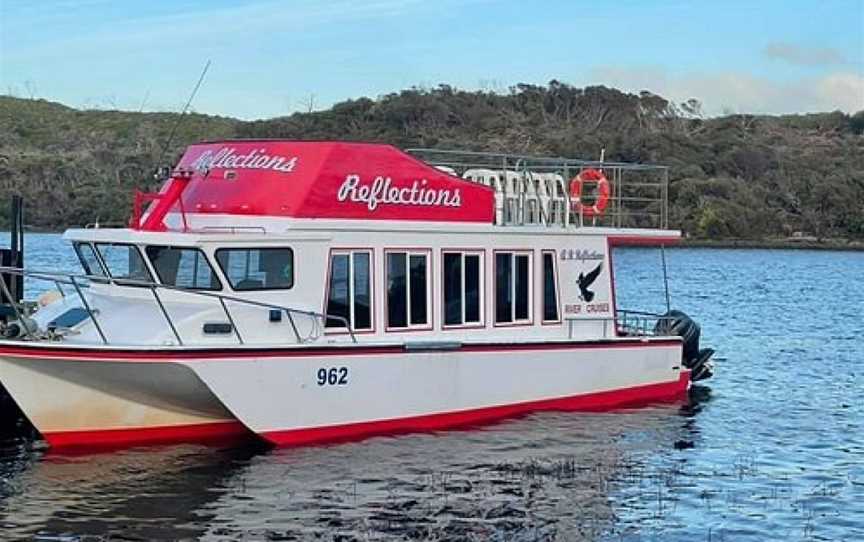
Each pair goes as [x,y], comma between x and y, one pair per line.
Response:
[738,176]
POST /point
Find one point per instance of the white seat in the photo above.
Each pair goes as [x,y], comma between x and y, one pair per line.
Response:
[558,201]
[513,197]
[533,202]
[541,182]
[480,176]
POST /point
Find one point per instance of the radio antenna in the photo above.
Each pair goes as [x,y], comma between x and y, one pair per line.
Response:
[182,114]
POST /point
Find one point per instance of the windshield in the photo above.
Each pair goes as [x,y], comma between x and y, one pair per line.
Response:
[183,267]
[89,261]
[124,261]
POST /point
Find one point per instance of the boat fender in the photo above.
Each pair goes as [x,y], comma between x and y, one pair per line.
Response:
[604,190]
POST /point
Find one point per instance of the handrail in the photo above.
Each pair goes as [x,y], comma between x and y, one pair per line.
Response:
[632,322]
[557,160]
[73,279]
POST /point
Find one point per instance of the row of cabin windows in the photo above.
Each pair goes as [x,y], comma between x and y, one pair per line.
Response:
[408,289]
[246,269]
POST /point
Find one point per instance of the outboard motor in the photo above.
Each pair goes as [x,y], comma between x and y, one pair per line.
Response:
[678,323]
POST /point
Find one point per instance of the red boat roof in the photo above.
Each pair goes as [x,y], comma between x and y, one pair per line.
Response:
[319,179]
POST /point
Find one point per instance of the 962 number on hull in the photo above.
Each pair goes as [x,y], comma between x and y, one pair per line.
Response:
[332,376]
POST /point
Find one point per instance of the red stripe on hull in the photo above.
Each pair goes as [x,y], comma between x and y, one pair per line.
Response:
[118,438]
[589,402]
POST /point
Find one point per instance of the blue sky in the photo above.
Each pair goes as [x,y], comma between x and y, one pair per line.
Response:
[271,58]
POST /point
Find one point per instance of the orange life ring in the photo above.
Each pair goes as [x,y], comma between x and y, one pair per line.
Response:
[604,190]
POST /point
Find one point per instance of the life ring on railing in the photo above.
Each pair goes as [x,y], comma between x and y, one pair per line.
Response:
[604,190]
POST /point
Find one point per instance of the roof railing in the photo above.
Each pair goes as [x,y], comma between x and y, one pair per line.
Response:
[535,190]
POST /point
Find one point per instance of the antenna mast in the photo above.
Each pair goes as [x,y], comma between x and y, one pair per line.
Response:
[182,114]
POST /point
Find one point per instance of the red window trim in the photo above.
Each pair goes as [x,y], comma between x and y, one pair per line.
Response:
[430,305]
[347,250]
[531,302]
[473,251]
[556,281]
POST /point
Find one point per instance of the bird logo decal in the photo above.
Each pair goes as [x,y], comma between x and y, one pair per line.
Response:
[584,281]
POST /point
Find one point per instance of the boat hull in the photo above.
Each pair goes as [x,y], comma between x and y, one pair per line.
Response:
[399,389]
[80,400]
[295,396]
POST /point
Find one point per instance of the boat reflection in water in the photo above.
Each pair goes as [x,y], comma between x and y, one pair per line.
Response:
[544,475]
[148,494]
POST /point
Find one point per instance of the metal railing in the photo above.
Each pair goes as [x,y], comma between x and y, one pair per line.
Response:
[639,192]
[629,323]
[81,282]
[643,324]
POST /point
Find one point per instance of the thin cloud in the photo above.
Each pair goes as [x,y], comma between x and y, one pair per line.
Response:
[736,92]
[800,55]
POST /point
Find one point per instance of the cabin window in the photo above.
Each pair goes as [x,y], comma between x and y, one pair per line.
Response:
[89,261]
[462,292]
[183,267]
[124,261]
[407,289]
[349,292]
[512,287]
[550,288]
[257,268]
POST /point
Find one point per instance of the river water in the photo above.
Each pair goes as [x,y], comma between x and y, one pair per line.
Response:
[772,448]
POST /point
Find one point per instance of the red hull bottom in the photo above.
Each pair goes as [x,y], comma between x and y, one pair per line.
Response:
[589,402]
[118,438]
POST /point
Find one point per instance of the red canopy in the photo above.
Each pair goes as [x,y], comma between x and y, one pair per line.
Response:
[311,179]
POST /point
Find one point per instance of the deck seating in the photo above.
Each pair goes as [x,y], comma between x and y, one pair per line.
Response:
[513,209]
[524,197]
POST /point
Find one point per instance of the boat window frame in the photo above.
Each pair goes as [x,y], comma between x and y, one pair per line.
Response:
[430,316]
[228,277]
[103,275]
[462,252]
[125,281]
[556,283]
[179,247]
[350,251]
[513,252]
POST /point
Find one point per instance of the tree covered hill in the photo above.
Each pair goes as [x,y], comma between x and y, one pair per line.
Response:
[737,176]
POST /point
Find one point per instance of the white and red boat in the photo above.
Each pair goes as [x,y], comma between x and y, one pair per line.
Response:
[312,291]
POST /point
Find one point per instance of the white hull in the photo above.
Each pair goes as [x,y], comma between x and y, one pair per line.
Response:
[130,397]
[391,389]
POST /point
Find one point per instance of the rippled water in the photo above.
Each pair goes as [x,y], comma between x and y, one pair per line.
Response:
[772,448]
